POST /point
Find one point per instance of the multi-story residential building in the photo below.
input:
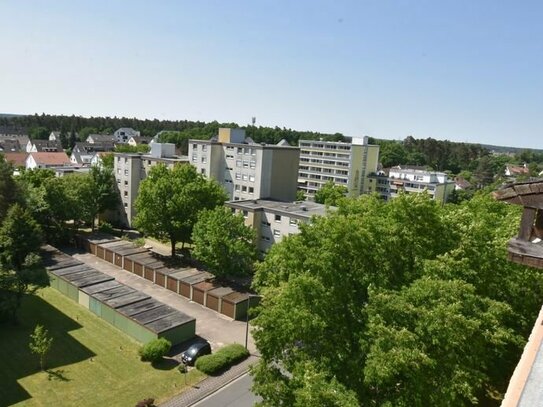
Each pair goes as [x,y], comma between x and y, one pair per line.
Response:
[247,170]
[347,164]
[413,180]
[130,169]
[273,220]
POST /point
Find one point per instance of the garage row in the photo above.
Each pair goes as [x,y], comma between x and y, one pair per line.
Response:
[133,312]
[196,285]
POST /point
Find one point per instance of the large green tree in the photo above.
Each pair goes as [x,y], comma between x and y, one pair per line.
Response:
[224,243]
[169,201]
[373,294]
[330,194]
[9,192]
[20,265]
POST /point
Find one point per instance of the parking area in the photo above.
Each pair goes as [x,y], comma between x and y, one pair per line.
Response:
[218,329]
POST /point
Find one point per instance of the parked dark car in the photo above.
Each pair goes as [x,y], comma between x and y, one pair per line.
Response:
[195,351]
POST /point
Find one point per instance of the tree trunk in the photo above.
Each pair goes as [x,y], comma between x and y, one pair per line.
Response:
[173,242]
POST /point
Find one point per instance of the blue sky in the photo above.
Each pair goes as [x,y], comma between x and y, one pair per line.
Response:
[458,70]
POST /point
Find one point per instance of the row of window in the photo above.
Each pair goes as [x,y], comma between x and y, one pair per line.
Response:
[324,162]
[326,146]
[242,150]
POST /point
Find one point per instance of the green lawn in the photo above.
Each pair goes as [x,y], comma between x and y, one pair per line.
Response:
[91,363]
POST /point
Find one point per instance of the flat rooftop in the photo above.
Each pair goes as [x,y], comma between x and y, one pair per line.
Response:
[297,209]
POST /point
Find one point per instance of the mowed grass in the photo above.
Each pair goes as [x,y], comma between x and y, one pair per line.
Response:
[91,363]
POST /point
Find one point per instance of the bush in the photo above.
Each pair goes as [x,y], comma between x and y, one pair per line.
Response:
[155,350]
[150,402]
[105,227]
[222,359]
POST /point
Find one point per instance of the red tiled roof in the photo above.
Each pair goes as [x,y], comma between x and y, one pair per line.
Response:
[17,159]
[52,158]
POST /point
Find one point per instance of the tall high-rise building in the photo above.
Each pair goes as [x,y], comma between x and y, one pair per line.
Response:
[247,170]
[347,164]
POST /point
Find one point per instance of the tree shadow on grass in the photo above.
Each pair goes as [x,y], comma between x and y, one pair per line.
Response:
[17,362]
[57,375]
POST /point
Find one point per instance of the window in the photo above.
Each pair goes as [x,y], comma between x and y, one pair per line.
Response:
[245,164]
[125,172]
[203,171]
[293,222]
[238,175]
[238,163]
[195,146]
[119,181]
[125,205]
[253,164]
[266,238]
[252,178]
[278,218]
[245,177]
[265,223]
[276,233]
[237,187]
[125,182]
[118,170]
[253,151]
[240,150]
[251,190]
[118,159]
[204,160]
[125,193]
[228,181]
[204,148]
[243,188]
[245,214]
[194,158]
[229,157]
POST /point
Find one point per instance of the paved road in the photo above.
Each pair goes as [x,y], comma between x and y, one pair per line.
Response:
[235,394]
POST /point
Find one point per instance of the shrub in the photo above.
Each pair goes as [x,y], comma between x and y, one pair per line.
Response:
[150,402]
[155,350]
[139,242]
[222,359]
[105,227]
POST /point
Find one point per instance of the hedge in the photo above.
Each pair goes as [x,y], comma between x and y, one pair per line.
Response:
[225,357]
[155,350]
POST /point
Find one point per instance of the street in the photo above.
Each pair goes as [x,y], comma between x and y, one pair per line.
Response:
[235,394]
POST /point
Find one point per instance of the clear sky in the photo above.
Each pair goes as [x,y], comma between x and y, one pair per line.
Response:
[459,70]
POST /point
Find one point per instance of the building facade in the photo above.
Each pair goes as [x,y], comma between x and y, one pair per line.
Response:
[347,164]
[247,170]
[130,169]
[124,134]
[274,220]
[413,180]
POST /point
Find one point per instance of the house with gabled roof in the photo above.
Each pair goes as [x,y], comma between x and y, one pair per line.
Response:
[138,140]
[47,160]
[43,146]
[17,159]
[100,138]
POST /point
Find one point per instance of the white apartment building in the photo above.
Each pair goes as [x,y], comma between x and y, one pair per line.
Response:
[247,170]
[413,180]
[347,164]
[130,169]
[273,220]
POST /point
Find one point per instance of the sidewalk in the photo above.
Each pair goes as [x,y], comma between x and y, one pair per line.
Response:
[209,385]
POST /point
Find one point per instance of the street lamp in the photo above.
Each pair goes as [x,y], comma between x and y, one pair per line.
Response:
[247,318]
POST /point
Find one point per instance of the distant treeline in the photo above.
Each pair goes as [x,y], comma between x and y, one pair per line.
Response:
[435,154]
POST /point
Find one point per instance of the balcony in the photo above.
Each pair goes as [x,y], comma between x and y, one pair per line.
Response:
[527,247]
